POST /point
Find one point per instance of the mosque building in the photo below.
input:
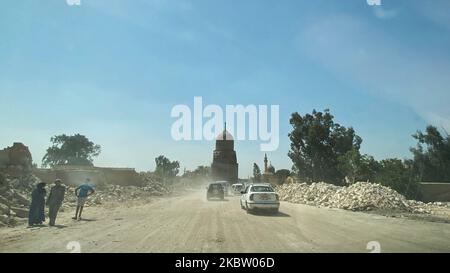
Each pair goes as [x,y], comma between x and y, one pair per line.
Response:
[224,166]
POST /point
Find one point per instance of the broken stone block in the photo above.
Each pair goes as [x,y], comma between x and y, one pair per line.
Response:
[4,209]
[20,199]
[20,212]
[4,219]
[4,201]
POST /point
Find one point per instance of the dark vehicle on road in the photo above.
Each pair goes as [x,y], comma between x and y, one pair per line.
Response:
[215,190]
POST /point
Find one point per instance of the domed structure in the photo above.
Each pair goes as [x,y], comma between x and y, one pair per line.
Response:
[224,166]
[269,171]
[225,135]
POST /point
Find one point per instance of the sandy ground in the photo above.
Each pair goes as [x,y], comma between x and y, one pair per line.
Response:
[189,223]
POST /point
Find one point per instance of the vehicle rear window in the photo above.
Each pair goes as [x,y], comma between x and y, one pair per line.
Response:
[262,189]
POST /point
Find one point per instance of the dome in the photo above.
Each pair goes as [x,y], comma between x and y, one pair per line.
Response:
[225,135]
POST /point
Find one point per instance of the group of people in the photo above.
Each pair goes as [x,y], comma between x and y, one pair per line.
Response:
[36,215]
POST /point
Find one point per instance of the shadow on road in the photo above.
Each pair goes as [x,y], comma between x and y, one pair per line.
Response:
[46,226]
[269,214]
[87,220]
[218,200]
[37,226]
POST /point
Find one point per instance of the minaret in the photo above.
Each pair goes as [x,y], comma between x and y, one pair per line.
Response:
[225,131]
[265,163]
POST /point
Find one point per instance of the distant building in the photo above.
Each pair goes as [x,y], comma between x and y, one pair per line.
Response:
[269,171]
[224,165]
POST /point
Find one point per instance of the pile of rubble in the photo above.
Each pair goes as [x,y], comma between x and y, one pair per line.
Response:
[15,198]
[368,196]
[116,193]
[316,194]
[421,207]
[153,185]
[361,196]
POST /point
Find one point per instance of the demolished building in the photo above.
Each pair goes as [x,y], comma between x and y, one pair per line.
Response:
[16,160]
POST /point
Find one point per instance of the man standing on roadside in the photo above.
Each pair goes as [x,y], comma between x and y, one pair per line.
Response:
[82,193]
[55,200]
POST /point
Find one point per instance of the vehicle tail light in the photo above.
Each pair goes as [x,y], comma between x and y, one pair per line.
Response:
[251,197]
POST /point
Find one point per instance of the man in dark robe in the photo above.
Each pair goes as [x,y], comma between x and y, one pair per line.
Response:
[36,214]
[55,200]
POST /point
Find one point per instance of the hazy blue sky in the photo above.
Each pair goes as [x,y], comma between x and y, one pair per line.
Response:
[113,70]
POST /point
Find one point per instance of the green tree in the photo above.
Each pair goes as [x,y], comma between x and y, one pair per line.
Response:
[256,173]
[350,164]
[398,175]
[358,167]
[432,156]
[316,144]
[166,168]
[71,150]
[368,168]
[203,171]
[281,175]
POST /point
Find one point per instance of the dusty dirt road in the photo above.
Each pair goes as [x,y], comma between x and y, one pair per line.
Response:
[189,223]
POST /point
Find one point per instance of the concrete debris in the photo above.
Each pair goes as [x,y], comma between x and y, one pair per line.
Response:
[16,160]
[4,220]
[116,193]
[153,185]
[361,196]
[15,194]
[20,212]
[4,209]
